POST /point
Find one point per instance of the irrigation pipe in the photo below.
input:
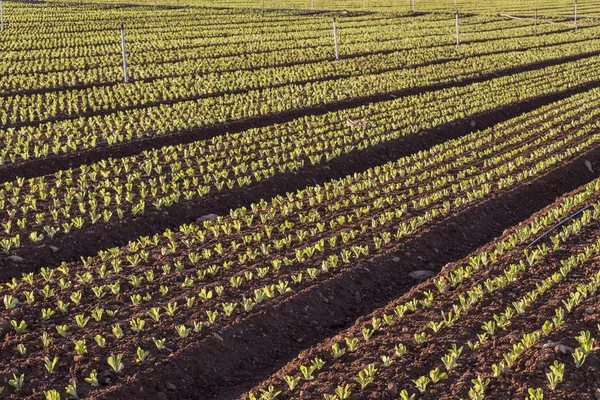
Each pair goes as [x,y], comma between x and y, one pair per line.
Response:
[559,224]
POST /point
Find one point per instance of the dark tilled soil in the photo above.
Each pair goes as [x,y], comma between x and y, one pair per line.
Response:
[88,241]
[531,368]
[248,351]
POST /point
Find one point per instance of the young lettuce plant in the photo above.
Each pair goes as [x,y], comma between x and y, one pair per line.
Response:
[80,347]
[19,327]
[21,349]
[159,343]
[337,351]
[535,394]
[52,395]
[93,379]
[71,390]
[10,302]
[556,374]
[291,381]
[579,356]
[17,381]
[100,340]
[366,376]
[183,331]
[421,383]
[266,394]
[437,375]
[405,396]
[50,364]
[343,392]
[141,354]
[115,362]
[477,391]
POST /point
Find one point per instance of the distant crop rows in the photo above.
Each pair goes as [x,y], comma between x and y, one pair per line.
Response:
[206,81]
[513,7]
[42,207]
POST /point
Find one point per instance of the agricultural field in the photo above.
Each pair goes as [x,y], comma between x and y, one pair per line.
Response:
[260,201]
[588,8]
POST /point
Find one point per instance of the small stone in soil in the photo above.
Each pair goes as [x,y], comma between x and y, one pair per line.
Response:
[421,274]
[207,217]
[392,389]
[563,349]
[170,386]
[16,259]
[357,297]
[53,248]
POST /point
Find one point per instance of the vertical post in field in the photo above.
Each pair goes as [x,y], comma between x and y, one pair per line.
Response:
[335,40]
[412,5]
[125,73]
[457,32]
[312,4]
[154,10]
[364,4]
[535,24]
[575,14]
[2,14]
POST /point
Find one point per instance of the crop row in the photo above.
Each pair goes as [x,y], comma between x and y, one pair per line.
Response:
[515,7]
[127,305]
[149,119]
[277,41]
[77,134]
[40,108]
[424,342]
[59,122]
[178,86]
[493,7]
[576,362]
[38,209]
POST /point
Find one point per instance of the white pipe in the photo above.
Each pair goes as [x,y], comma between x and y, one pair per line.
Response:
[335,40]
[125,73]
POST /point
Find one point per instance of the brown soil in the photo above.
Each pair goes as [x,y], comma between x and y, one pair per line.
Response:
[88,241]
[531,368]
[420,359]
[252,348]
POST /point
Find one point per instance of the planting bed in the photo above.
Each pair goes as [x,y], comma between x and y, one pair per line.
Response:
[472,315]
[249,218]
